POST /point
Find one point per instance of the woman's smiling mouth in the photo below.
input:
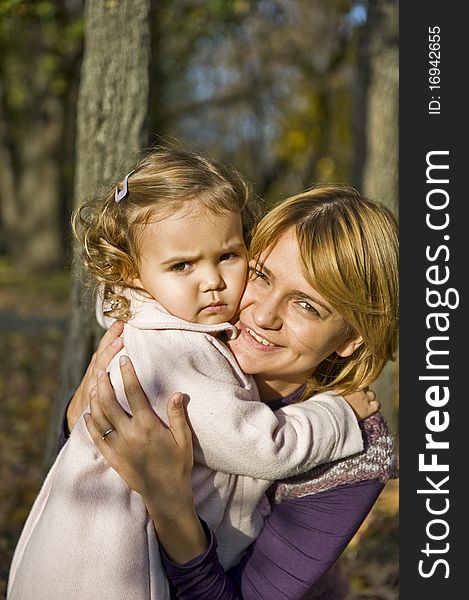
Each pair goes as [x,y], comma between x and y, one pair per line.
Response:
[256,339]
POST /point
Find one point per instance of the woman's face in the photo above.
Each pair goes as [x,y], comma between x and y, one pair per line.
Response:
[286,327]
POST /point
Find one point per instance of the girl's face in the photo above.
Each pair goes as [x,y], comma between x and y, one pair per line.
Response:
[194,263]
[286,327]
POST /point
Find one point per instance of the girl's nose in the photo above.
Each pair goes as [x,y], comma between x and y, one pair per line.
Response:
[211,280]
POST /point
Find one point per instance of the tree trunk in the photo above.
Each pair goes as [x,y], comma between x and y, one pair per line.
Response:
[379,170]
[111,128]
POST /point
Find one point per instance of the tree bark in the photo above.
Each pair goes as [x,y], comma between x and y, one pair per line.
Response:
[380,171]
[111,129]
[380,124]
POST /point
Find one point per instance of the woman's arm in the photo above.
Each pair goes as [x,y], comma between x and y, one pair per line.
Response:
[301,539]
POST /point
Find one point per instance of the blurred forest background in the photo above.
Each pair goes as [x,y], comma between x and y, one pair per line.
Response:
[292,92]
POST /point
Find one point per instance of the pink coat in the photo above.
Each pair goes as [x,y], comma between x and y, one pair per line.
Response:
[89,536]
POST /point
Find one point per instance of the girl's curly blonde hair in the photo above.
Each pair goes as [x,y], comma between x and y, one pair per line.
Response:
[160,184]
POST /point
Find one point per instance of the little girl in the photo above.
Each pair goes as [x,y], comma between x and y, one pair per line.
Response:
[167,249]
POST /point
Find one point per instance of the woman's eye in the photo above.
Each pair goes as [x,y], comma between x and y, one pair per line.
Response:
[309,308]
[183,266]
[256,274]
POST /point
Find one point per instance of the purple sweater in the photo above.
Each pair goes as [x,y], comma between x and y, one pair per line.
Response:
[301,539]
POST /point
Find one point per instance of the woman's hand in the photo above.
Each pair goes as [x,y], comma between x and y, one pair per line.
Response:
[155,460]
[108,347]
[141,448]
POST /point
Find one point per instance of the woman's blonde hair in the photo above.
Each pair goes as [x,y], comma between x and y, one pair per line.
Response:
[162,182]
[349,250]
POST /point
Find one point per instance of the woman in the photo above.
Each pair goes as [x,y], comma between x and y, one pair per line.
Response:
[323,272]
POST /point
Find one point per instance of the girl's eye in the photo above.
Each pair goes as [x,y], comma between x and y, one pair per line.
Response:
[228,256]
[308,308]
[183,266]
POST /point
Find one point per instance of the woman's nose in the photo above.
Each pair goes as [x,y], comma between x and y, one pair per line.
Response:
[266,314]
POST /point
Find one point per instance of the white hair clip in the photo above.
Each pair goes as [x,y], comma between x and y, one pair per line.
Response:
[120,195]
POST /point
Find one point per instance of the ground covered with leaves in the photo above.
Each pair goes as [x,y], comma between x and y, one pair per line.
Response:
[33,314]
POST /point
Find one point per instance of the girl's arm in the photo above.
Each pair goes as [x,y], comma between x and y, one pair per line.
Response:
[234,434]
[233,431]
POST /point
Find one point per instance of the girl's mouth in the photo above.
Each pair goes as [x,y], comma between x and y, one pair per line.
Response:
[215,307]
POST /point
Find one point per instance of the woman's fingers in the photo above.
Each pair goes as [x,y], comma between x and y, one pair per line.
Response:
[135,395]
[111,334]
[93,429]
[107,402]
[178,422]
[109,346]
[97,438]
[99,419]
[142,450]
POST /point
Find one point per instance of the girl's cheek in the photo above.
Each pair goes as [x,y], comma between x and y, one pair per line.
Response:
[248,296]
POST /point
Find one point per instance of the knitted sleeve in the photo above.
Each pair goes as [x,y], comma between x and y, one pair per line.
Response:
[378,460]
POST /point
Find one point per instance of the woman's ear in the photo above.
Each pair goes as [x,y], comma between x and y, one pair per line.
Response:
[348,347]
